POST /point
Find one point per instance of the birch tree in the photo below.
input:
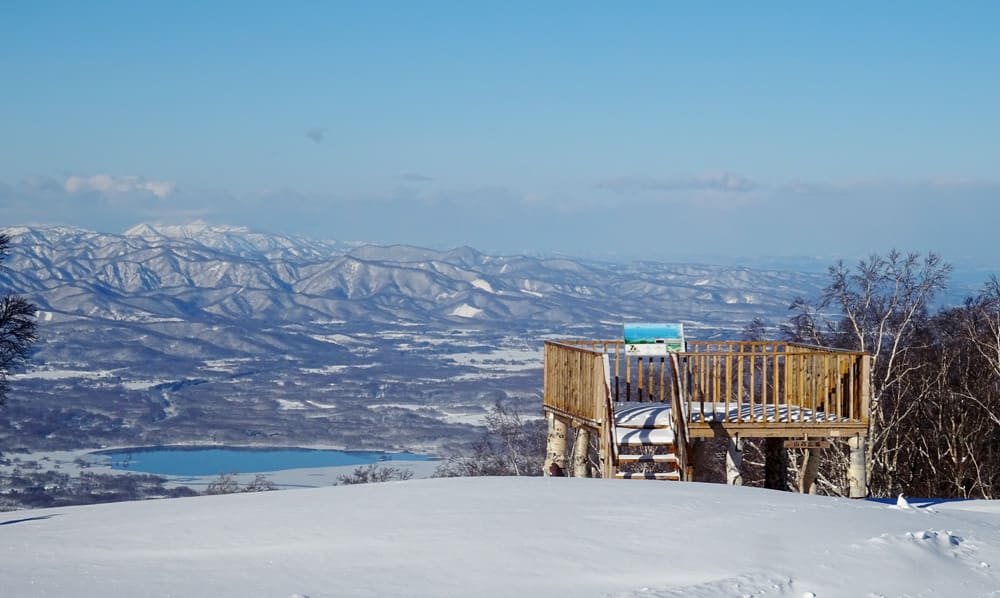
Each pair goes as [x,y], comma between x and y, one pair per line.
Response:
[510,445]
[876,307]
[954,450]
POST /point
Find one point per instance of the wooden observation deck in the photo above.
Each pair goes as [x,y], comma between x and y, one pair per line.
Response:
[650,410]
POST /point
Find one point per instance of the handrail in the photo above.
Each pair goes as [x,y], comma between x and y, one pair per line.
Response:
[577,387]
[825,349]
[609,434]
[747,382]
[693,344]
[574,382]
[678,408]
[802,386]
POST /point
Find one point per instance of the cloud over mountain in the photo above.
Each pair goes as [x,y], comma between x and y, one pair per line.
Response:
[726,182]
[114,185]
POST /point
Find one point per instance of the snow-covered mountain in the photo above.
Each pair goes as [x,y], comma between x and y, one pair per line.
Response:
[505,537]
[205,272]
[158,333]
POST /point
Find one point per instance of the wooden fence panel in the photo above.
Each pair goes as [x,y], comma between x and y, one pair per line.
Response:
[773,384]
[734,381]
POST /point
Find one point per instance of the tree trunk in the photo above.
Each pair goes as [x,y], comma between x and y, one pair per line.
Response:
[856,472]
[581,450]
[810,468]
[734,461]
[556,445]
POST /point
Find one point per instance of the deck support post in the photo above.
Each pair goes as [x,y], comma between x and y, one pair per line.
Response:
[775,464]
[581,450]
[856,469]
[695,456]
[555,451]
[734,461]
[810,469]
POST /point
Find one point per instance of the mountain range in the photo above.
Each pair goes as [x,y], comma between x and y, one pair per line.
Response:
[203,273]
[158,332]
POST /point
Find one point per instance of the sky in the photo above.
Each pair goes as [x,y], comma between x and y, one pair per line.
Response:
[639,129]
[506,537]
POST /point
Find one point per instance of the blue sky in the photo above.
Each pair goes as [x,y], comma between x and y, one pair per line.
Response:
[646,129]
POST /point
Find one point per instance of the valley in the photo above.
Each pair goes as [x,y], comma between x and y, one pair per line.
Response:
[216,335]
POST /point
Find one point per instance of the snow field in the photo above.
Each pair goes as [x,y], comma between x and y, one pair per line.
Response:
[504,537]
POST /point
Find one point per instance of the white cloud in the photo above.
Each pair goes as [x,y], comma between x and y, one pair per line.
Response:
[712,181]
[895,186]
[110,185]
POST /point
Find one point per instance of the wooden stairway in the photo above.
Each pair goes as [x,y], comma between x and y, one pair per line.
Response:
[646,442]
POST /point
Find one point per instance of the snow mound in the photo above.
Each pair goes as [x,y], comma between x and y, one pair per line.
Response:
[503,537]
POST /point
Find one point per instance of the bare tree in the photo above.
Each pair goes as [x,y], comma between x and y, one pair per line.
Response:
[375,473]
[227,483]
[510,445]
[877,307]
[17,327]
[260,483]
[964,448]
[755,331]
[982,328]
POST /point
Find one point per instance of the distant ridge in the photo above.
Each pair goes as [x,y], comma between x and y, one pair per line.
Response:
[223,271]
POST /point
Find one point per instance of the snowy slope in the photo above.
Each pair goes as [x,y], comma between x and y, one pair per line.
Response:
[504,537]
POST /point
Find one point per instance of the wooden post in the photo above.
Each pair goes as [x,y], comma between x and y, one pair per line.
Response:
[701,460]
[856,469]
[581,449]
[734,461]
[810,468]
[775,464]
[556,446]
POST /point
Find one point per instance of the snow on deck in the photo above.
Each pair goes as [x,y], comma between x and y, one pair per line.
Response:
[659,414]
[644,437]
[756,413]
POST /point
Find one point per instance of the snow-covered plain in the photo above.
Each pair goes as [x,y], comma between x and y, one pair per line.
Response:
[505,537]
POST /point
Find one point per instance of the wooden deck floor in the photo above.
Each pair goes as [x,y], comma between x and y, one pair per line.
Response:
[745,420]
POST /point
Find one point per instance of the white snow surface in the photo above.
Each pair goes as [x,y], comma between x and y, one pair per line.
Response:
[466,311]
[504,537]
[482,285]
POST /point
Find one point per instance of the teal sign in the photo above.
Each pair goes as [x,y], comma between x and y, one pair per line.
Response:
[653,338]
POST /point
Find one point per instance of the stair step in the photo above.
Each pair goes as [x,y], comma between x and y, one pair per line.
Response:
[643,415]
[629,458]
[645,436]
[625,475]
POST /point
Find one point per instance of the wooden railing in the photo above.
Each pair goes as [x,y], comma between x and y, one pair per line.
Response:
[646,378]
[576,389]
[632,378]
[771,383]
[745,382]
[679,411]
[762,388]
[575,382]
